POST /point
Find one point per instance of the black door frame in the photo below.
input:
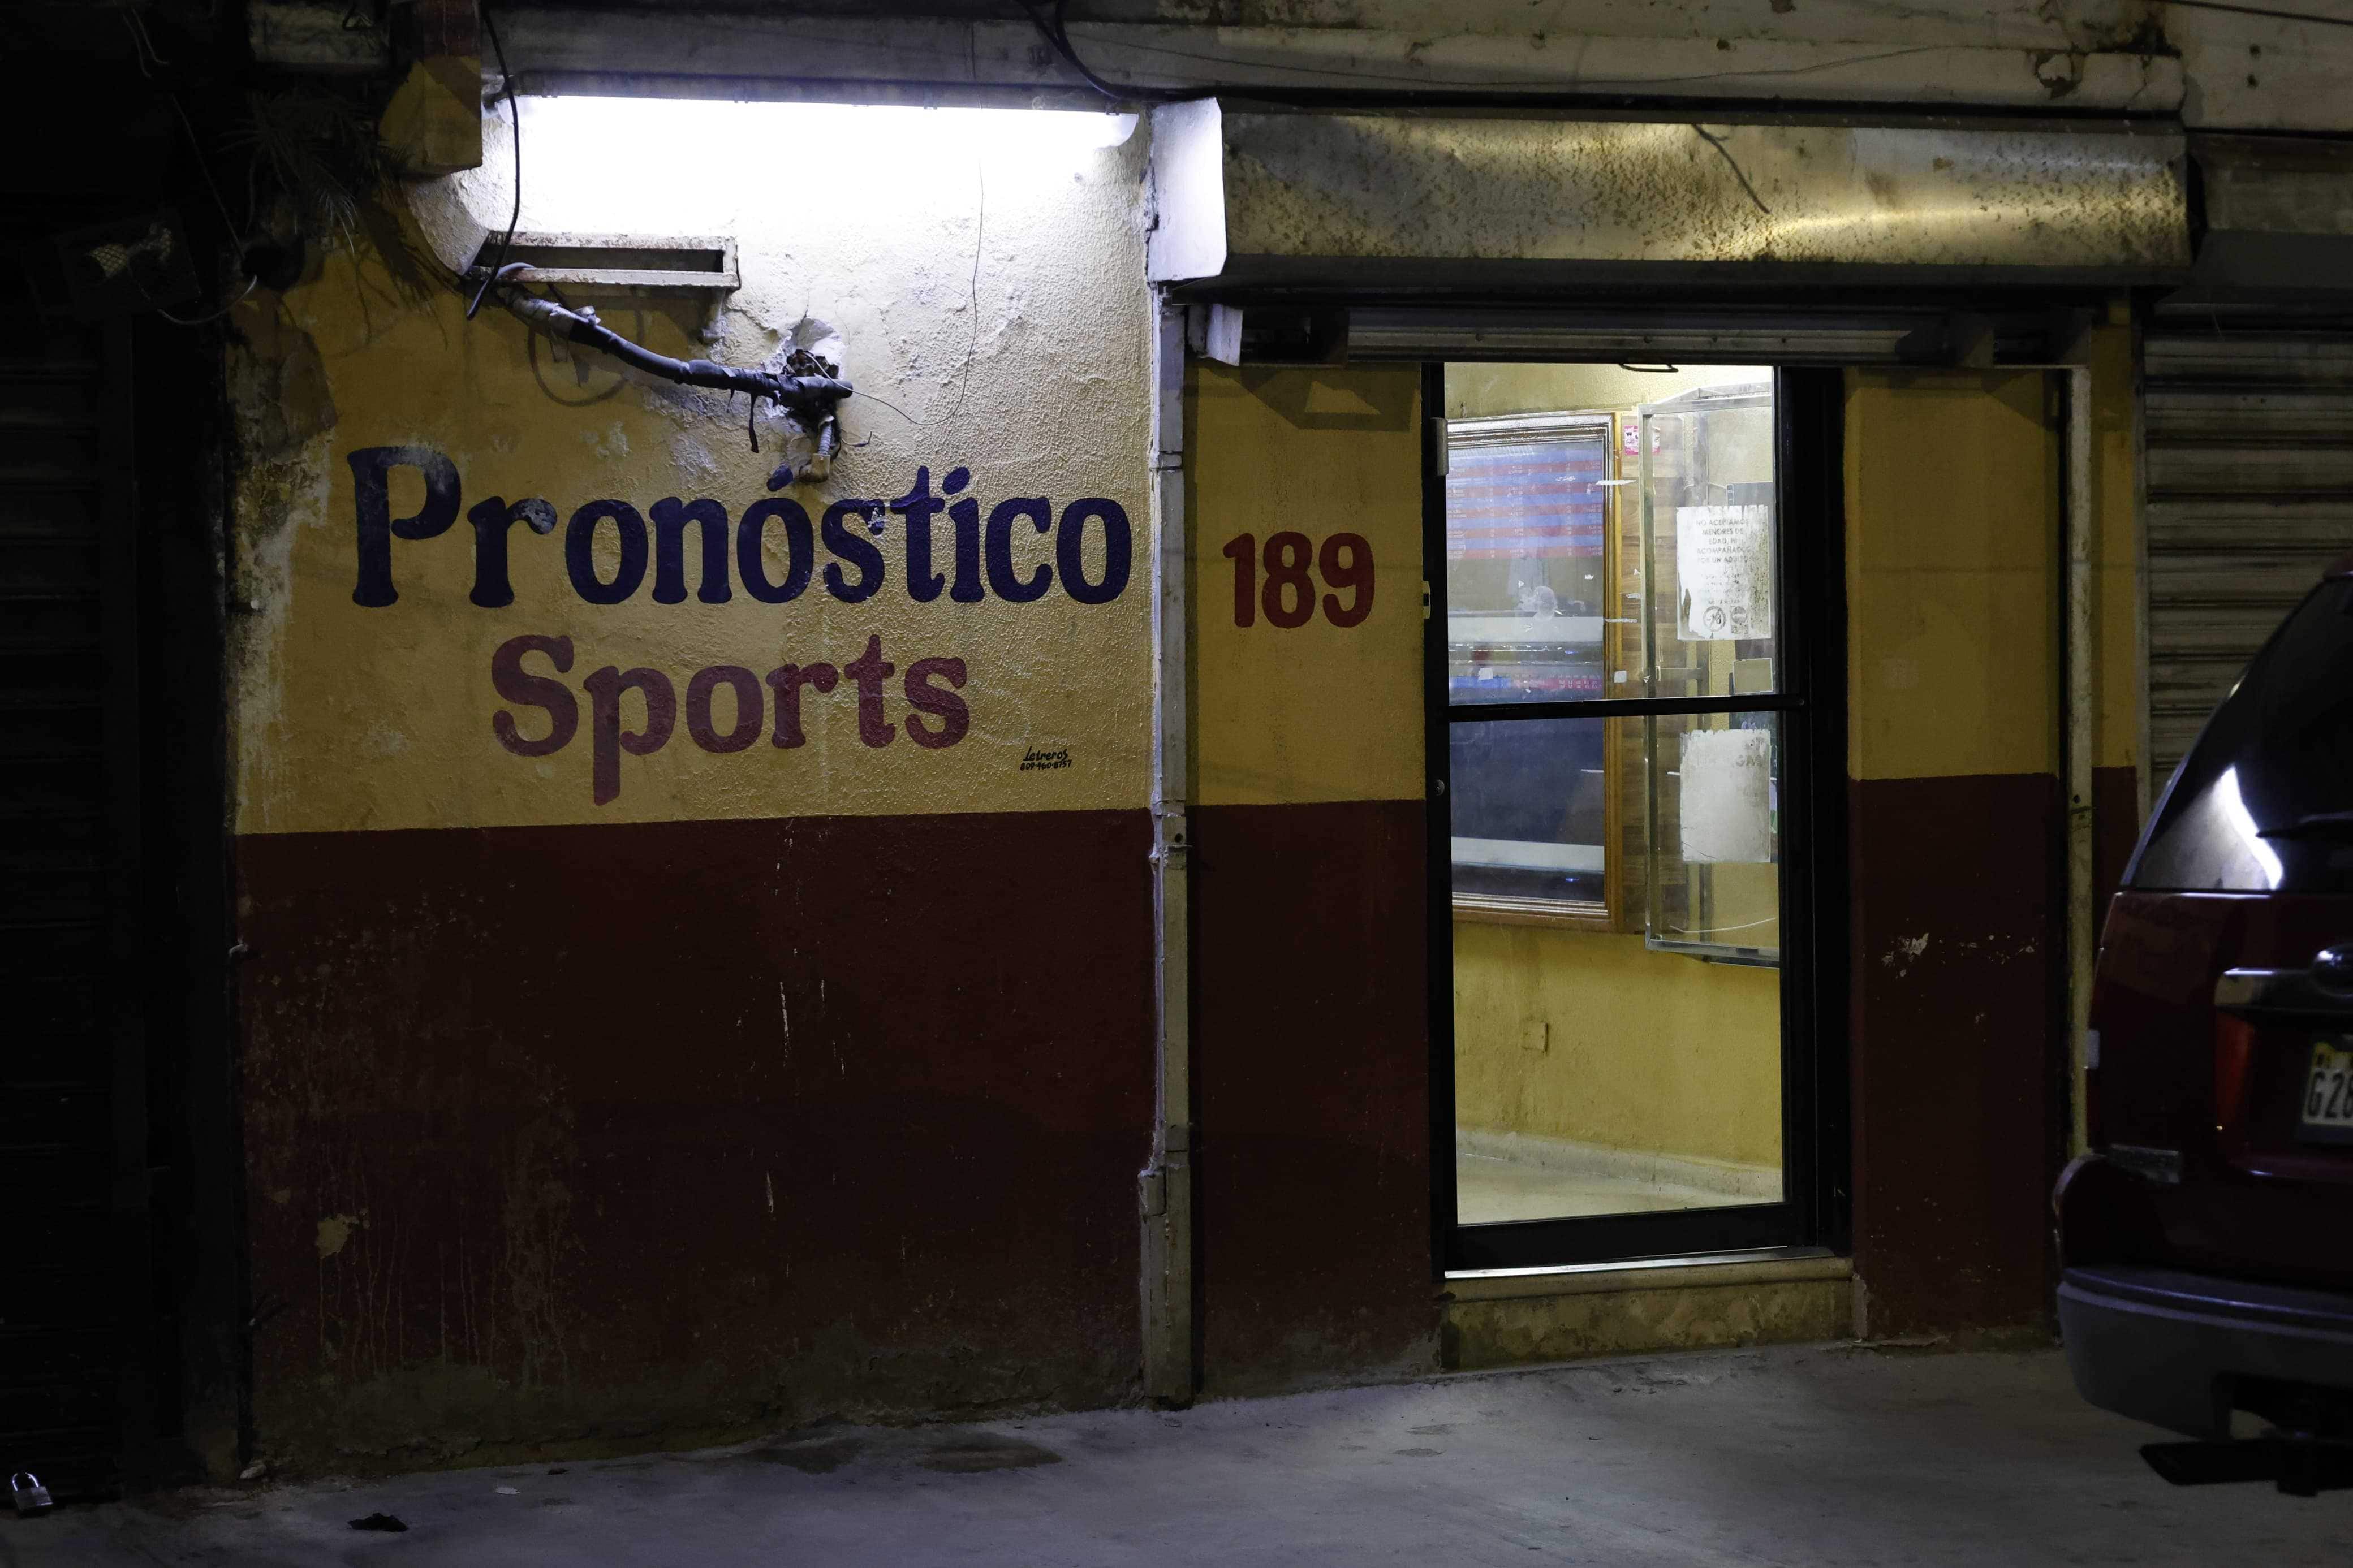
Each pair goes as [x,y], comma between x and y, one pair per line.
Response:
[1810,572]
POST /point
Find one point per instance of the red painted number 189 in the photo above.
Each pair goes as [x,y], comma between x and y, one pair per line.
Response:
[1291,560]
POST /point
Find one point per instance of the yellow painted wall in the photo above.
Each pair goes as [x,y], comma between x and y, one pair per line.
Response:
[1953,585]
[1320,712]
[1647,1051]
[991,295]
[1956,568]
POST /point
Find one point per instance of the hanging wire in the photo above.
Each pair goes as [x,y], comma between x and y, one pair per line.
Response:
[214,316]
[1050,26]
[514,125]
[1049,21]
[873,397]
[221,202]
[1734,164]
[142,46]
[2265,11]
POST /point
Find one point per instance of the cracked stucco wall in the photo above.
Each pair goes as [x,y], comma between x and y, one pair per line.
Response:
[989,305]
[524,1169]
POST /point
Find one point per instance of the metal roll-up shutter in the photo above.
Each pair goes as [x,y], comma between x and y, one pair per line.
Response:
[2250,496]
[71,1287]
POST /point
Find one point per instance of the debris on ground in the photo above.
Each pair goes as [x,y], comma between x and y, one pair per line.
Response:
[379,1521]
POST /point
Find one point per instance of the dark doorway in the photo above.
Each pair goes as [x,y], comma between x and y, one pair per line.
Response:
[120,1315]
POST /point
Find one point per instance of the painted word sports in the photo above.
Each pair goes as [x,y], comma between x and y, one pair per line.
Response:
[1019,551]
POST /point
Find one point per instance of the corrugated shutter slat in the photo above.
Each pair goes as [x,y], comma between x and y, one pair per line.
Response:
[64,1357]
[2250,496]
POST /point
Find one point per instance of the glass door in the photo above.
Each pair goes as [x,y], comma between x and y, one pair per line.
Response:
[1625,727]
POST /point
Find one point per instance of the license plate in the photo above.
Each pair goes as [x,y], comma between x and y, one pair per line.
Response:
[2328,1092]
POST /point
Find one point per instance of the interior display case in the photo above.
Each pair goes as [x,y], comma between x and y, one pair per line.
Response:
[1526,544]
[1707,626]
[1531,574]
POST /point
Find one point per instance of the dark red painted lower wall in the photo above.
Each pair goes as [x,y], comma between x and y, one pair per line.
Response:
[2115,828]
[1312,1076]
[617,1131]
[1958,1058]
[631,1131]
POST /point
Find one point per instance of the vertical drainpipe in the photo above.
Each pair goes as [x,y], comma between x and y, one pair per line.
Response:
[2082,715]
[2143,784]
[1166,1187]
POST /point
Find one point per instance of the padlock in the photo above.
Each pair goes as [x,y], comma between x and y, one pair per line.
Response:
[31,1496]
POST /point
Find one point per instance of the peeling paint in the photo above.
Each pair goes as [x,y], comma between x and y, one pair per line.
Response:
[336,1231]
[2059,73]
[1904,952]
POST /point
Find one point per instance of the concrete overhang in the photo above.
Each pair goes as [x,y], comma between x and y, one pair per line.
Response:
[2278,221]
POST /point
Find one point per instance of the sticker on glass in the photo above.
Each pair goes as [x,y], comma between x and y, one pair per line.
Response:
[1724,561]
[1727,796]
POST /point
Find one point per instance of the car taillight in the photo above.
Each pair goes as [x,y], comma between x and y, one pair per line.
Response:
[2234,1052]
[2092,1118]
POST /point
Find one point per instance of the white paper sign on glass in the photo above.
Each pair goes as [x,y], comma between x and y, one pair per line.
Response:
[1724,563]
[1727,796]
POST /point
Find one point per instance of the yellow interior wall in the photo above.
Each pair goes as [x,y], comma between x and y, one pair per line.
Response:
[1645,1051]
[1586,1035]
[1953,583]
[1475,390]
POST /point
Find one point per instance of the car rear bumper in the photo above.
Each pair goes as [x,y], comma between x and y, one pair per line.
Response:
[2166,1347]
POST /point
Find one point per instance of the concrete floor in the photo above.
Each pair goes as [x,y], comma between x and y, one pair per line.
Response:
[1487,1189]
[1801,1456]
[1518,1175]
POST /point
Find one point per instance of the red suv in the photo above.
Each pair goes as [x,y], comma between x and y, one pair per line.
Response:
[2205,1239]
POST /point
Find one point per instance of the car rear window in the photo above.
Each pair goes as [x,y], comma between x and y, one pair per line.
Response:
[2264,799]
